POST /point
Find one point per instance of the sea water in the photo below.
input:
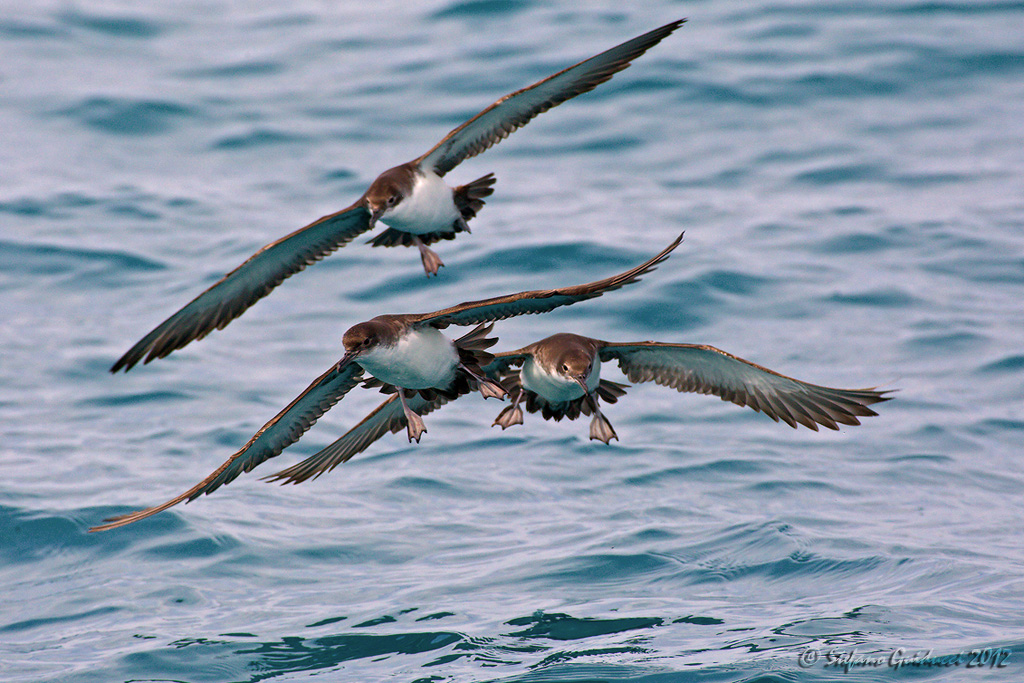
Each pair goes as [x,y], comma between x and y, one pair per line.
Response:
[850,178]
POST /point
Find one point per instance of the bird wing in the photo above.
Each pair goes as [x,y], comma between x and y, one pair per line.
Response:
[282,431]
[503,361]
[707,370]
[248,283]
[538,301]
[515,110]
[387,417]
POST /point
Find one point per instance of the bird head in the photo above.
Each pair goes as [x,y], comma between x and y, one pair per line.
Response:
[387,192]
[575,364]
[363,338]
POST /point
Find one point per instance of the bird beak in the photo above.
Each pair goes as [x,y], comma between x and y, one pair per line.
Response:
[375,215]
[346,359]
[582,381]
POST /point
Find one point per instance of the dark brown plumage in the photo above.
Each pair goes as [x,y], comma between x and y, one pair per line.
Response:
[389,199]
[552,367]
[395,348]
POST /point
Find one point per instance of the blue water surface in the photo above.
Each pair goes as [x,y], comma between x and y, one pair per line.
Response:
[850,177]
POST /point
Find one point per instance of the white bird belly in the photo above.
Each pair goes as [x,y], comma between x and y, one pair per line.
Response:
[430,207]
[422,359]
[554,388]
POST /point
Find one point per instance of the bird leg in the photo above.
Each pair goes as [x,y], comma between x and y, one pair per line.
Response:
[600,428]
[431,261]
[413,422]
[511,415]
[488,387]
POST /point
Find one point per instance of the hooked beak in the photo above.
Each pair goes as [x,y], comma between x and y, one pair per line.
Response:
[582,381]
[346,360]
[375,215]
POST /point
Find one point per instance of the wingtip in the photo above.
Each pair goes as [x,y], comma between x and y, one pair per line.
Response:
[873,395]
[668,29]
[667,251]
[123,363]
[118,521]
[145,351]
[291,475]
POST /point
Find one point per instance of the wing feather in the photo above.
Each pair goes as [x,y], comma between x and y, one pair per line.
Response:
[387,417]
[248,283]
[513,111]
[282,431]
[706,370]
[538,301]
[503,361]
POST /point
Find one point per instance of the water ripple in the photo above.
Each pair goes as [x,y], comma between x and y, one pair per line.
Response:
[127,116]
[848,175]
[67,265]
[124,26]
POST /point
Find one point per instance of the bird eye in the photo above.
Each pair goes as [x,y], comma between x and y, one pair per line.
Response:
[565,368]
[392,200]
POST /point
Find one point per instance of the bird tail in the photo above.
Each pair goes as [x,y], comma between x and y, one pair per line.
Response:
[469,198]
[472,347]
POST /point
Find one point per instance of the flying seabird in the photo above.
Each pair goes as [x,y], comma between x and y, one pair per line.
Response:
[560,376]
[405,354]
[418,207]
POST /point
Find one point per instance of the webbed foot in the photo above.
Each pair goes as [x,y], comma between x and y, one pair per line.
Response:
[511,415]
[431,261]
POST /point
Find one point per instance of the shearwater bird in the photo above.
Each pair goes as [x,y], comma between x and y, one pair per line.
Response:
[405,354]
[412,199]
[560,376]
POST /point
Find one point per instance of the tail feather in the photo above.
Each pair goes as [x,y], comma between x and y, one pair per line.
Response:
[469,198]
[609,391]
[473,345]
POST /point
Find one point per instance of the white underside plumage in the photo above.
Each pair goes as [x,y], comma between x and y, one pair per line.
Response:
[422,359]
[430,207]
[554,388]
